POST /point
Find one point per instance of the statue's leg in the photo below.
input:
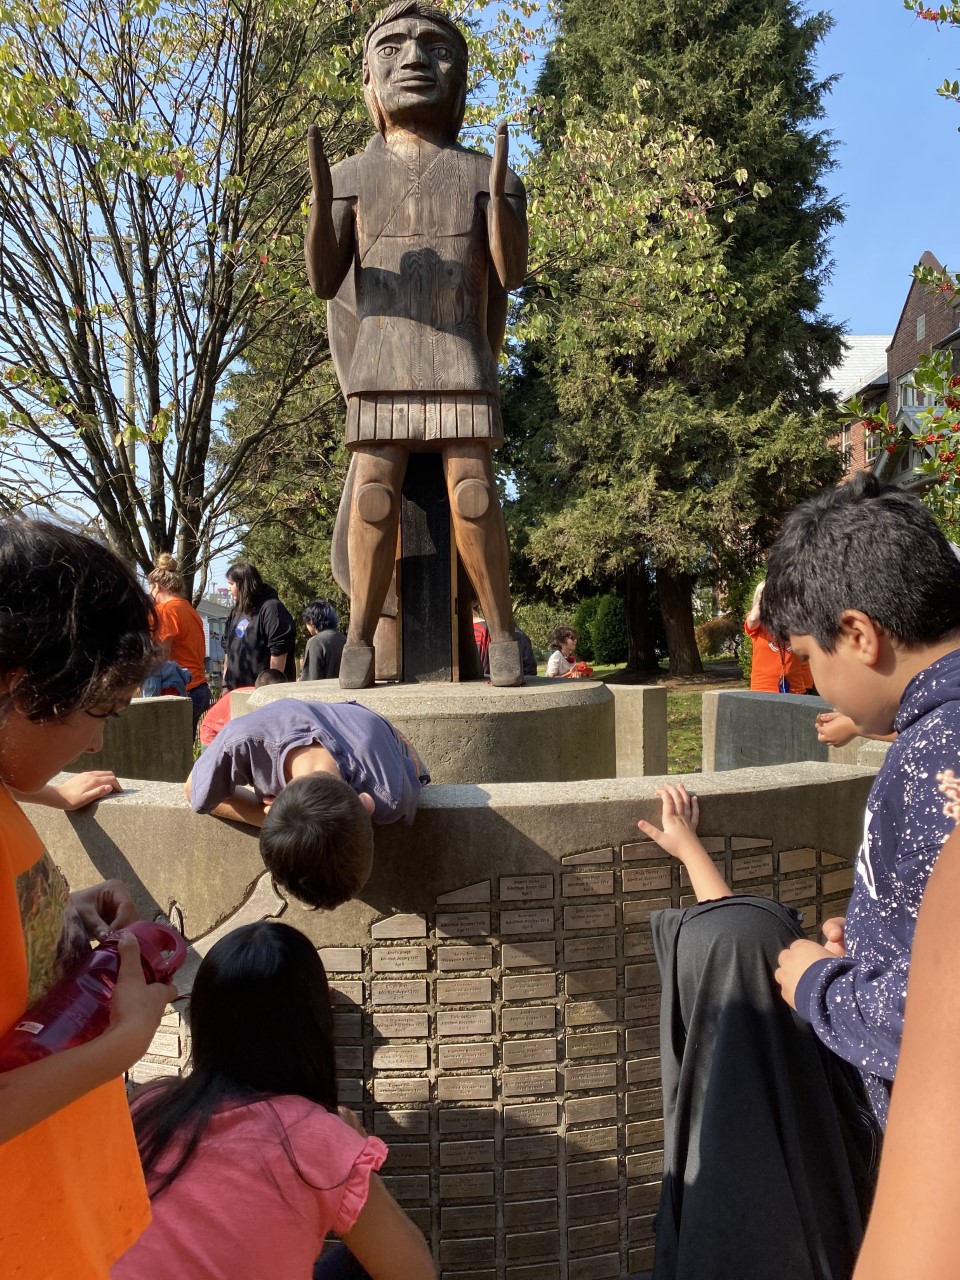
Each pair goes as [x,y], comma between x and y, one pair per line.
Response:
[372,544]
[482,542]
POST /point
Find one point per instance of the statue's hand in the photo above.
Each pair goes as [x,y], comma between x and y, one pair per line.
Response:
[498,169]
[319,168]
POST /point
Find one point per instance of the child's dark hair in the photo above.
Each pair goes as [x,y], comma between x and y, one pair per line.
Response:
[317,840]
[250,586]
[73,619]
[262,1026]
[868,547]
[269,675]
[321,615]
[560,634]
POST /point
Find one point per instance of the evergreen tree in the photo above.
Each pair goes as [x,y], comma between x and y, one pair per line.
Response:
[627,461]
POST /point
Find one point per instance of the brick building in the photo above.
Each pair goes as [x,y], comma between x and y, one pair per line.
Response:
[928,321]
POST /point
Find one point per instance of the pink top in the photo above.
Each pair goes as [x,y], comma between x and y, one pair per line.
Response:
[241,1208]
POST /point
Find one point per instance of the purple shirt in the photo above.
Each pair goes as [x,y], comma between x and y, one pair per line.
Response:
[369,752]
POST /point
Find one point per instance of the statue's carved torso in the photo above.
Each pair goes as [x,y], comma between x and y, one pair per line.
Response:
[421,284]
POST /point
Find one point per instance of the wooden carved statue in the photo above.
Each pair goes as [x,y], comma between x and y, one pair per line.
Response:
[415,243]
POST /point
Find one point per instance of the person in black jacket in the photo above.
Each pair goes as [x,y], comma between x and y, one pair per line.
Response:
[260,631]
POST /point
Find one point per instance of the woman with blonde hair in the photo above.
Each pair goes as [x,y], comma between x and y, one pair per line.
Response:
[180,630]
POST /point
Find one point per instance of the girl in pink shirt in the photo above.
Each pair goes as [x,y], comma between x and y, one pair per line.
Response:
[248,1163]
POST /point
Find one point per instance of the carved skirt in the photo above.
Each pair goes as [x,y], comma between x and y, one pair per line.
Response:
[422,421]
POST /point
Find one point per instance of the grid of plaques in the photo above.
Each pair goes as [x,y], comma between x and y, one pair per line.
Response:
[506,1048]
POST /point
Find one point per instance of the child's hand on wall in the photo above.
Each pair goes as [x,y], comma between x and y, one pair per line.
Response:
[680,815]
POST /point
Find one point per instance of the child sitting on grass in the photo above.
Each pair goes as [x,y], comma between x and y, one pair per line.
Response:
[321,774]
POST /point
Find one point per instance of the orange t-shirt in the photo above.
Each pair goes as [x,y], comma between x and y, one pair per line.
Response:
[772,661]
[73,1197]
[180,626]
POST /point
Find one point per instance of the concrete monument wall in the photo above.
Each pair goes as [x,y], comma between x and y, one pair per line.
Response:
[497,996]
[546,731]
[152,738]
[742,730]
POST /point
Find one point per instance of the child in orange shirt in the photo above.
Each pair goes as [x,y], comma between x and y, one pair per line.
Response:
[73,1194]
[775,668]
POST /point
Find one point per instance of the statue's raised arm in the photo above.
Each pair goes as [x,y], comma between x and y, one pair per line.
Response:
[328,248]
[506,217]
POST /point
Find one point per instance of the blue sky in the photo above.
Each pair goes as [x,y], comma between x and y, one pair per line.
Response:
[897,162]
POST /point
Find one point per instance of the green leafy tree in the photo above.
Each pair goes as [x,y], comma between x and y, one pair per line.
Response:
[670,444]
[934,436]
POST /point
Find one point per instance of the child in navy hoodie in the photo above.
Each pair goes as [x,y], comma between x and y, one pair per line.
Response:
[863,585]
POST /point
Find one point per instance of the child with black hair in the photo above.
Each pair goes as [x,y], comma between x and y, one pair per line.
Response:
[248,1163]
[321,657]
[321,774]
[862,584]
[74,646]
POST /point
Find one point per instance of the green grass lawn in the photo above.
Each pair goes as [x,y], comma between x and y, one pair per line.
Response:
[684,739]
[684,735]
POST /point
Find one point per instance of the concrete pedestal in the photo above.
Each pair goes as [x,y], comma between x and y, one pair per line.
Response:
[547,731]
[152,738]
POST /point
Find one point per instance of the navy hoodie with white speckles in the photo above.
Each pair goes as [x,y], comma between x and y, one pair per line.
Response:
[856,1004]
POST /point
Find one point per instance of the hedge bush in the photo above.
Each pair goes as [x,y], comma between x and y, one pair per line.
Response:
[608,631]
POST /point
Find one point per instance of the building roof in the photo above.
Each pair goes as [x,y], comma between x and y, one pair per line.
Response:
[864,362]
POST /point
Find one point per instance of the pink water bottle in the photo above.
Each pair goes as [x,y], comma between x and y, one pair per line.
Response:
[77,1008]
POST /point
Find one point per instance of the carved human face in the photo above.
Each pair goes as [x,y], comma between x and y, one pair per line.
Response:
[416,73]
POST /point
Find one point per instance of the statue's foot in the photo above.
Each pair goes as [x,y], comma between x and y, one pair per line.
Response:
[357,666]
[506,667]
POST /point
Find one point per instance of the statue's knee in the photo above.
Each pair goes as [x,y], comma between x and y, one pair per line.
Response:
[471,499]
[374,503]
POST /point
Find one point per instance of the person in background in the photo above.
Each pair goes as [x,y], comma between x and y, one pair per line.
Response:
[775,667]
[180,630]
[563,642]
[219,713]
[248,1162]
[73,1193]
[260,632]
[321,658]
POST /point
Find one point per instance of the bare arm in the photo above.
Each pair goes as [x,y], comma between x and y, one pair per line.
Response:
[912,1229]
[32,1093]
[681,815]
[278,662]
[836,729]
[79,791]
[385,1242]
[239,807]
[506,220]
[328,247]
